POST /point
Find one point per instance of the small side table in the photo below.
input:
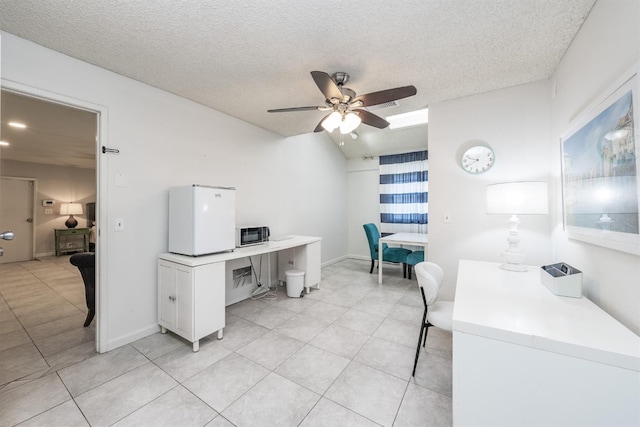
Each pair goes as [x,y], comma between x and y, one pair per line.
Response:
[66,232]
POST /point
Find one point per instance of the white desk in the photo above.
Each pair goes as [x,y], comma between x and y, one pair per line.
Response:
[191,290]
[524,356]
[411,239]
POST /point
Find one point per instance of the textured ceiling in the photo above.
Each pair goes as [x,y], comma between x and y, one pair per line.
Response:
[56,134]
[244,57]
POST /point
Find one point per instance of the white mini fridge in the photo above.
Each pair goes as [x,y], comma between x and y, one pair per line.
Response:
[202,219]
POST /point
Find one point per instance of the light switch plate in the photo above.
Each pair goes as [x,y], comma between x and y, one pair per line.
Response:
[119,226]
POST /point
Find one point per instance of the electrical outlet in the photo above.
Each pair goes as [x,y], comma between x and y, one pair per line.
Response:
[48,211]
[447,218]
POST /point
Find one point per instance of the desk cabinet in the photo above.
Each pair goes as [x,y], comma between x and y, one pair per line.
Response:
[62,236]
[305,258]
[191,290]
[191,300]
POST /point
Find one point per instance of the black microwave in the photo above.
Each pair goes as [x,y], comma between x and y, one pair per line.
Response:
[247,236]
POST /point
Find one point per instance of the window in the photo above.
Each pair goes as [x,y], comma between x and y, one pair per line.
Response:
[404,191]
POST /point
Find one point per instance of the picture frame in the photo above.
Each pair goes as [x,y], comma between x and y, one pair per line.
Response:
[600,170]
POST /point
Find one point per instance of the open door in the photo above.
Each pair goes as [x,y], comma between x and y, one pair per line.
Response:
[16,215]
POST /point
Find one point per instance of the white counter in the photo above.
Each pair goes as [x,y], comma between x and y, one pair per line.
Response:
[524,356]
[283,243]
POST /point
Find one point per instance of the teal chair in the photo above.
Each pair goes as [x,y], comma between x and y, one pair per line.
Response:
[412,259]
[397,255]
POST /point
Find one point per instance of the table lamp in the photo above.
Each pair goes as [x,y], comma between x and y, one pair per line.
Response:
[71,209]
[516,198]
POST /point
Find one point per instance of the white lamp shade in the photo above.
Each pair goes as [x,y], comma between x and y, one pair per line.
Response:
[332,121]
[518,198]
[70,209]
[350,123]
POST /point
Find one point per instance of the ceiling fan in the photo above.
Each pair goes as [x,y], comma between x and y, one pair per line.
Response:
[346,108]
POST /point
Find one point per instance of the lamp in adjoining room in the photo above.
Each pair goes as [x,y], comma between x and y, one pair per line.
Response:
[71,209]
[516,198]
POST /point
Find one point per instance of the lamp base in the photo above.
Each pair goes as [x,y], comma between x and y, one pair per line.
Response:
[71,222]
[513,260]
[513,267]
[512,256]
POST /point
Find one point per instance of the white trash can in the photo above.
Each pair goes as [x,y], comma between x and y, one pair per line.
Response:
[295,283]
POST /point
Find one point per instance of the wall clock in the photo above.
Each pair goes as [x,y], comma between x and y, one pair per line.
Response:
[477,159]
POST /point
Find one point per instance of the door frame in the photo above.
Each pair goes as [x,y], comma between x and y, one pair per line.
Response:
[101,111]
[34,192]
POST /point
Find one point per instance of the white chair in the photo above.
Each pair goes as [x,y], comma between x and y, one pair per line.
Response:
[436,313]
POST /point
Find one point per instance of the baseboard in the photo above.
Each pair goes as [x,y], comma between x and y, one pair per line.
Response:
[359,257]
[45,254]
[335,260]
[129,338]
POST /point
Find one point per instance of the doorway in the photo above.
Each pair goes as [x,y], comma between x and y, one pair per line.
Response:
[55,144]
[16,214]
[58,150]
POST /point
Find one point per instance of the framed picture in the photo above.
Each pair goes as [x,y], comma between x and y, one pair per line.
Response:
[600,166]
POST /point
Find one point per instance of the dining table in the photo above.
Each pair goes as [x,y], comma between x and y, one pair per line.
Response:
[402,239]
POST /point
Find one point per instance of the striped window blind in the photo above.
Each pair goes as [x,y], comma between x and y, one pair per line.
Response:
[404,192]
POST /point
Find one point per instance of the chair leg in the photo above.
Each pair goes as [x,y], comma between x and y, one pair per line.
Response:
[423,330]
[372,264]
[425,333]
[404,270]
[409,271]
[89,318]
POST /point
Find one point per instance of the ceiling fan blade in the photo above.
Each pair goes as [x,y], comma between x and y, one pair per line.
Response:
[319,128]
[326,85]
[371,119]
[375,98]
[286,110]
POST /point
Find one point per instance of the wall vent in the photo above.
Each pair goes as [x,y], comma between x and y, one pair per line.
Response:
[383,105]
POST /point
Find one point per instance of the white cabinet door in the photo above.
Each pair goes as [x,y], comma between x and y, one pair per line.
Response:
[175,298]
[184,302]
[191,299]
[166,292]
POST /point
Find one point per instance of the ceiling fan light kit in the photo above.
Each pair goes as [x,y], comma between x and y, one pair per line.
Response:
[332,121]
[349,123]
[345,106]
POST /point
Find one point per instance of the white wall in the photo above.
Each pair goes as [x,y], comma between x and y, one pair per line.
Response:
[515,123]
[313,200]
[607,45]
[295,185]
[58,183]
[364,203]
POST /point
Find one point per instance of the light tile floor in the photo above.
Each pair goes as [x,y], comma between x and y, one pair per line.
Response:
[340,356]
